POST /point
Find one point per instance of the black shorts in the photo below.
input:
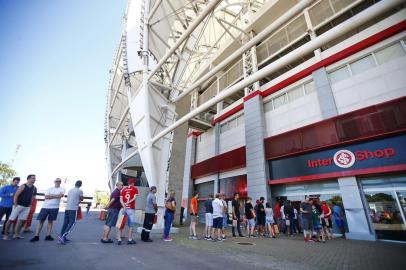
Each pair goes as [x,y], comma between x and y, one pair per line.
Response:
[261,221]
[218,223]
[51,213]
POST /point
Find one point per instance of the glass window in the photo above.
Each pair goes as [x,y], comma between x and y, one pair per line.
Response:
[223,128]
[389,53]
[232,123]
[339,74]
[279,101]
[268,106]
[362,65]
[295,93]
[309,87]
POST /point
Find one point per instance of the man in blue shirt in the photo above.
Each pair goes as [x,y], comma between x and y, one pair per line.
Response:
[6,203]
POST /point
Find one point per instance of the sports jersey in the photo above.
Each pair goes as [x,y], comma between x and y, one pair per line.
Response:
[128,194]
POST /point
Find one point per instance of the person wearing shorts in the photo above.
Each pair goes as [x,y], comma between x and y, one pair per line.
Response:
[21,206]
[307,224]
[50,209]
[217,217]
[225,216]
[209,217]
[193,209]
[127,199]
[6,202]
[113,208]
[249,214]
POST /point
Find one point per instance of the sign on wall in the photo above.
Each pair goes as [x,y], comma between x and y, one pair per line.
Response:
[368,155]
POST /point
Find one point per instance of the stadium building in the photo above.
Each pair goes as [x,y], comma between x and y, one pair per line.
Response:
[279,99]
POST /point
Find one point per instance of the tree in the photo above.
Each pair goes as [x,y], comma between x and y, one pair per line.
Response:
[101,197]
[6,172]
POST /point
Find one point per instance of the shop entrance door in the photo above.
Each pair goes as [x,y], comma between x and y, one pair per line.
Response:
[387,209]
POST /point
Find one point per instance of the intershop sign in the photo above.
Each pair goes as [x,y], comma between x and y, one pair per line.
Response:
[346,159]
[376,155]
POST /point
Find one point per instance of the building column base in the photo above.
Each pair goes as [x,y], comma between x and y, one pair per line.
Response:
[360,236]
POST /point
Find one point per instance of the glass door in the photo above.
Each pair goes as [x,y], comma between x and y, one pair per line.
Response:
[386,209]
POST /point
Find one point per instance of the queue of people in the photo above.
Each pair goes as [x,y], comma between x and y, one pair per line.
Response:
[260,219]
[17,204]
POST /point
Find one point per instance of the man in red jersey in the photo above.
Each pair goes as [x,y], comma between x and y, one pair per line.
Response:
[127,200]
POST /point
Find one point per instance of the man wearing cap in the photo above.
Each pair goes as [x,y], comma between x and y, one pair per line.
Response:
[127,200]
[150,211]
[75,196]
[50,209]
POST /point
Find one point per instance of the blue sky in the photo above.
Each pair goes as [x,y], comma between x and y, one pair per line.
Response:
[54,61]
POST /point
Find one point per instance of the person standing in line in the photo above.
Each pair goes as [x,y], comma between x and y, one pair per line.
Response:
[6,204]
[327,224]
[128,196]
[307,224]
[339,218]
[317,216]
[283,217]
[50,209]
[75,196]
[261,216]
[209,217]
[113,208]
[225,216]
[22,203]
[295,221]
[193,209]
[269,220]
[277,215]
[170,208]
[236,215]
[217,217]
[289,216]
[250,216]
[150,212]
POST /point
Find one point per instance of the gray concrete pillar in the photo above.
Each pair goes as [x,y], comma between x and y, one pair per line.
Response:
[190,158]
[357,221]
[216,152]
[177,161]
[257,166]
[324,92]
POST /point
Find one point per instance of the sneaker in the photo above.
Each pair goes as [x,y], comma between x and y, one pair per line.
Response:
[67,240]
[5,237]
[18,237]
[223,238]
[131,242]
[61,240]
[209,238]
[148,240]
[241,236]
[195,237]
[205,238]
[35,239]
[108,241]
[49,238]
[190,236]
[219,239]
[253,236]
[118,242]
[167,239]
[311,240]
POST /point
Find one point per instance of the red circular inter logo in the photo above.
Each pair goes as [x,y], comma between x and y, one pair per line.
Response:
[344,158]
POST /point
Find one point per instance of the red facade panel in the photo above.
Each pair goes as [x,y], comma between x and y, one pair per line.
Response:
[228,161]
[374,121]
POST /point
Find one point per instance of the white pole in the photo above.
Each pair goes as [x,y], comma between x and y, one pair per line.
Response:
[342,28]
[185,35]
[261,36]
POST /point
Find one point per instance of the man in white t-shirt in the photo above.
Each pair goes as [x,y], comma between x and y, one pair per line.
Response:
[50,209]
[218,210]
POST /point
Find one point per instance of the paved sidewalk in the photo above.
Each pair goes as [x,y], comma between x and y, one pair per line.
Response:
[86,252]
